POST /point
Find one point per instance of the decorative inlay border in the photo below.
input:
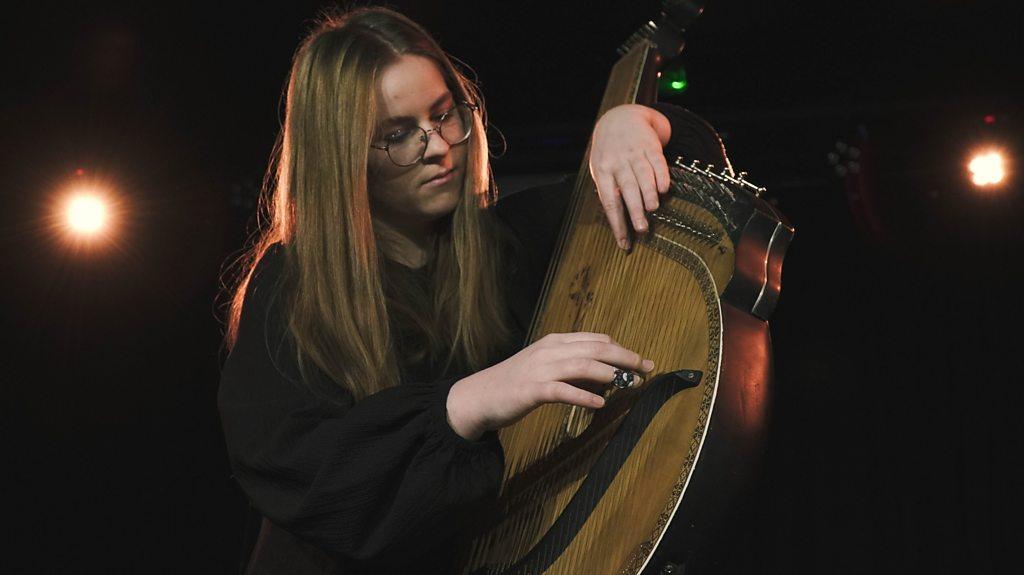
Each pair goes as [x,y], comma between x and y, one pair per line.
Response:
[684,256]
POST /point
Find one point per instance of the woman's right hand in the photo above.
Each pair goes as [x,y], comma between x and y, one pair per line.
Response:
[558,368]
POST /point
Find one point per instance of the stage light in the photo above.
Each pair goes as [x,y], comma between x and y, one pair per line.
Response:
[987,169]
[86,214]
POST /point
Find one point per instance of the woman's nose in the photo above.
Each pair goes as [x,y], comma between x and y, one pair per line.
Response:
[436,146]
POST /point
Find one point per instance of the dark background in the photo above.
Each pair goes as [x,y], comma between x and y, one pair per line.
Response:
[896,439]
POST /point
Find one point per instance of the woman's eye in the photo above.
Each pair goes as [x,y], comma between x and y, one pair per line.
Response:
[396,136]
[447,115]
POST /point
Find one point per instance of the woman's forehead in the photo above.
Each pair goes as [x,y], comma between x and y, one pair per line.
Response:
[410,86]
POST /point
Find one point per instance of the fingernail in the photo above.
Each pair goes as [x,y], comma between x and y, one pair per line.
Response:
[648,365]
[599,401]
[624,244]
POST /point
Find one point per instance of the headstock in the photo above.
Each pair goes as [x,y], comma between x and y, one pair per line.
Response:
[667,33]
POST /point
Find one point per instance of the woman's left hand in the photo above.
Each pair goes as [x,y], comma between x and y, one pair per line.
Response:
[628,165]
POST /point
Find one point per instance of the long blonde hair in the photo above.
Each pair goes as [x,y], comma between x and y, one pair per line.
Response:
[316,203]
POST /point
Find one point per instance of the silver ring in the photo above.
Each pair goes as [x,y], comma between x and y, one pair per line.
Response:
[623,379]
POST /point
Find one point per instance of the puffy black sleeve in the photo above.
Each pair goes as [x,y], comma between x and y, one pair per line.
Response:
[377,481]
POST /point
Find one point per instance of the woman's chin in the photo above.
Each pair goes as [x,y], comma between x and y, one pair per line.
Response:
[445,202]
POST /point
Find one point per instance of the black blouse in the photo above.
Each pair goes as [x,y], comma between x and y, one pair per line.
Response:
[382,484]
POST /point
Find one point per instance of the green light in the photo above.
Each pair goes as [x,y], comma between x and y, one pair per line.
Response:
[672,81]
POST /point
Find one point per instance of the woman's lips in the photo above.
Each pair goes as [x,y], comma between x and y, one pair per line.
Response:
[441,179]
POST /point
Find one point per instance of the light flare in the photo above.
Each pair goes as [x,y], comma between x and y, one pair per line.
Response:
[987,169]
[86,213]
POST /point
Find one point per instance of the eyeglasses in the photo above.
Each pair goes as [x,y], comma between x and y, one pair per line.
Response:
[406,145]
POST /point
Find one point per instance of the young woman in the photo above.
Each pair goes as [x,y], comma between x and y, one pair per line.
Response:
[374,333]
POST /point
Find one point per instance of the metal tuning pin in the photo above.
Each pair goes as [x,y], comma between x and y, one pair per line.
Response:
[741,181]
[693,166]
[710,172]
[727,175]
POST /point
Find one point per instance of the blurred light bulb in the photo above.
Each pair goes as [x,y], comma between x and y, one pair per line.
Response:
[86,214]
[987,169]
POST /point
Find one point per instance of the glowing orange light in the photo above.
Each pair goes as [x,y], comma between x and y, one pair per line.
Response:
[987,169]
[86,214]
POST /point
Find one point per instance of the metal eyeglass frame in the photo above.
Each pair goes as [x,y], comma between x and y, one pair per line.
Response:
[425,135]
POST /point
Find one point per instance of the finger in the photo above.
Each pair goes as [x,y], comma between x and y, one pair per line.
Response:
[632,198]
[608,353]
[593,375]
[660,166]
[585,336]
[584,370]
[608,193]
[562,392]
[644,174]
[610,201]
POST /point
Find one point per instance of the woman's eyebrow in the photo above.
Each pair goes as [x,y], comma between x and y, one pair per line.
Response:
[405,119]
